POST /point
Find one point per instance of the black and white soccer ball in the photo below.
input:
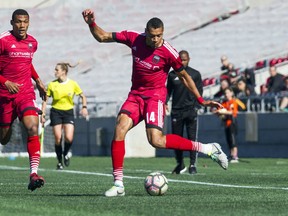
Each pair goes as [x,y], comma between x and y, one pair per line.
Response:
[156,184]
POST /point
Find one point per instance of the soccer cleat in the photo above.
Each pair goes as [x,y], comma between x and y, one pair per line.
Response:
[66,160]
[35,182]
[115,191]
[59,166]
[179,169]
[192,169]
[218,156]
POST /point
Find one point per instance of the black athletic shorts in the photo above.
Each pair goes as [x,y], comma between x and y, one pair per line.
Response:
[61,117]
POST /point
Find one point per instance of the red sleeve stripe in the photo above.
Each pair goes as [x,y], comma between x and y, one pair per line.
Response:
[171,49]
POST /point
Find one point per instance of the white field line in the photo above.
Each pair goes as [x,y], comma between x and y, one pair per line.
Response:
[137,177]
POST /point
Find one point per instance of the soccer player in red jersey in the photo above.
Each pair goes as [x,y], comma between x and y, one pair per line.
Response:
[152,59]
[17,96]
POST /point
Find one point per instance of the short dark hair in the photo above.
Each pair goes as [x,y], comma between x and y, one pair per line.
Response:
[184,52]
[155,23]
[19,12]
[241,79]
[230,89]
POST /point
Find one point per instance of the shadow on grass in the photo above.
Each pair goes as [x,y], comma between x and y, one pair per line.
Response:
[244,161]
[76,195]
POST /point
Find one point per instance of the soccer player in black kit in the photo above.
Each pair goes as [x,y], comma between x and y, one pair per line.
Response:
[184,111]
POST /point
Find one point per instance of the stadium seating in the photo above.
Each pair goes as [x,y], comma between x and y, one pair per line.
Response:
[105,69]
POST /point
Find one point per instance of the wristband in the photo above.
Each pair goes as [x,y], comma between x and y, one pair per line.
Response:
[92,25]
[200,100]
[84,107]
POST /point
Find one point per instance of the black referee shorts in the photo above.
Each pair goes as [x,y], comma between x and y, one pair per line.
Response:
[61,116]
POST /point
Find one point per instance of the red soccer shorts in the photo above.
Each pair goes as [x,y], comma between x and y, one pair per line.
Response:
[11,108]
[151,109]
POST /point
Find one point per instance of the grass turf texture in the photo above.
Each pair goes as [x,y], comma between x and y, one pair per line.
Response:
[252,187]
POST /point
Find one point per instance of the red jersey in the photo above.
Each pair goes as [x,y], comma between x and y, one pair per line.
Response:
[150,65]
[16,61]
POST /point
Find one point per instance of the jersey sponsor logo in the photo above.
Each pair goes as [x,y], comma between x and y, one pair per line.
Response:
[143,63]
[146,64]
[156,59]
[176,78]
[134,48]
[21,54]
[13,46]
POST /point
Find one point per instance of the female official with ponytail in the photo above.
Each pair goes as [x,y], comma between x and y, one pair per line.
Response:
[62,91]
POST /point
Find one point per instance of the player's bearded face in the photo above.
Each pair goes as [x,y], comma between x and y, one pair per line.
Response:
[154,37]
[20,26]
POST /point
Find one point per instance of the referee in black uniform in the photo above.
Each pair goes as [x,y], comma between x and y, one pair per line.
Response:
[184,111]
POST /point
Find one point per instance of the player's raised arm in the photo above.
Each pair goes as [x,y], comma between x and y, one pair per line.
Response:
[98,33]
[189,83]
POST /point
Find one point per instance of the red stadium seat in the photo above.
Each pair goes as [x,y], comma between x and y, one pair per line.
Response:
[212,81]
[279,60]
[215,20]
[260,64]
[205,82]
[273,62]
[223,76]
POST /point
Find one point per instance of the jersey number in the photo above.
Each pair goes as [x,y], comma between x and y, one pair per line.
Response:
[151,118]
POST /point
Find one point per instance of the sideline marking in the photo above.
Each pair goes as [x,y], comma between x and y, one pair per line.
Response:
[137,177]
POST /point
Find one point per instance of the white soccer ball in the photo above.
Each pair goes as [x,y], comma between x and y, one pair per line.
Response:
[156,184]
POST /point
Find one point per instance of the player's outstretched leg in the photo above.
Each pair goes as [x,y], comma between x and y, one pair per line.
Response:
[218,155]
[213,150]
[35,182]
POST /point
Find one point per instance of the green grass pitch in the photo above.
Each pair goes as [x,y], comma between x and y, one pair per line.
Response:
[252,187]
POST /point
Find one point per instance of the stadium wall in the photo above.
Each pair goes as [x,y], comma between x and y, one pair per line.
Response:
[259,135]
